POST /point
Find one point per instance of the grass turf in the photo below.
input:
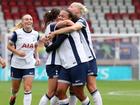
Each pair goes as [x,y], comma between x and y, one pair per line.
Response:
[113,92]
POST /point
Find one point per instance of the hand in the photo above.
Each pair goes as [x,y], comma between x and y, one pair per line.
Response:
[21,53]
[50,36]
[44,40]
[3,63]
[69,22]
[38,62]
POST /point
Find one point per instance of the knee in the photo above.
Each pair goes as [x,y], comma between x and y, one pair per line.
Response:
[27,88]
[51,93]
[60,93]
[14,91]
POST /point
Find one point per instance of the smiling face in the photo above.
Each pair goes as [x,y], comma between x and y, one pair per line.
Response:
[27,21]
[63,15]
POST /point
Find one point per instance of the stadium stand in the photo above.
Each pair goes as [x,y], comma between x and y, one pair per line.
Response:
[12,10]
[110,16]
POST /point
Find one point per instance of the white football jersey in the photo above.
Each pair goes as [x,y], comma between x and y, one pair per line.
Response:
[71,51]
[24,41]
[52,57]
[85,35]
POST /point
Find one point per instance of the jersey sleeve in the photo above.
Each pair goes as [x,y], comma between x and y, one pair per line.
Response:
[59,40]
[82,22]
[14,38]
[38,37]
[47,30]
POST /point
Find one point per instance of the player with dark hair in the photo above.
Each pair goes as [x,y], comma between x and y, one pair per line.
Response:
[81,25]
[53,64]
[73,60]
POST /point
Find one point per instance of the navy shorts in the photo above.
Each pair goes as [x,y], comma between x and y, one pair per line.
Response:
[20,73]
[92,70]
[53,70]
[76,76]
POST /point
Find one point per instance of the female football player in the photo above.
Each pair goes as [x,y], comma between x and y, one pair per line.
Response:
[23,46]
[81,25]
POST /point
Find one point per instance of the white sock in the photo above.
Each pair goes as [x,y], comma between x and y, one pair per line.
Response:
[72,100]
[97,99]
[86,101]
[64,102]
[54,101]
[44,100]
[27,98]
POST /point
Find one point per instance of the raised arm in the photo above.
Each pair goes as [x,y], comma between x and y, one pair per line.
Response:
[64,23]
[74,27]
[57,43]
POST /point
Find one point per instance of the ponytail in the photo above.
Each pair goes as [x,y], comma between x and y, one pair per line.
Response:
[17,26]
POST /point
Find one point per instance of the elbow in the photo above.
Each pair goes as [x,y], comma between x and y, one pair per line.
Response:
[73,29]
[8,47]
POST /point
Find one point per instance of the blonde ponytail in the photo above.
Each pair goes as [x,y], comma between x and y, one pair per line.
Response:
[17,26]
[82,8]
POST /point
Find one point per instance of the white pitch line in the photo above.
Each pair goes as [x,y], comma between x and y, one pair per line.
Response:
[125,93]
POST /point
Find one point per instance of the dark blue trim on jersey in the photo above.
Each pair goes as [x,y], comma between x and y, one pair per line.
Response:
[82,21]
[14,37]
[86,38]
[59,40]
[26,31]
[52,28]
[83,30]
[53,57]
[38,37]
[72,43]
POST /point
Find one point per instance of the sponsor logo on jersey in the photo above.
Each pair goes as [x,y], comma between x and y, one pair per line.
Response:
[27,45]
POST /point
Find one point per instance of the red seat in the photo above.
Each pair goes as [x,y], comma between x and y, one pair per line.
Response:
[29,2]
[37,3]
[54,3]
[117,16]
[124,15]
[7,16]
[133,16]
[137,9]
[62,2]
[135,2]
[109,16]
[16,16]
[138,16]
[36,25]
[12,3]
[45,3]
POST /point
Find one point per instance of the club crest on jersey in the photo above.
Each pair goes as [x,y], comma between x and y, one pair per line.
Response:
[27,45]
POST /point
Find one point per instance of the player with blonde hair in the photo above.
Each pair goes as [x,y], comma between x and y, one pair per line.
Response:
[23,45]
[81,25]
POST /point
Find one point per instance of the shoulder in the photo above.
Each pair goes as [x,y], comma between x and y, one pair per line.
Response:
[18,31]
[35,33]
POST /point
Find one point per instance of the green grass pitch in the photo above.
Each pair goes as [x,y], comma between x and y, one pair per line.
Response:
[113,92]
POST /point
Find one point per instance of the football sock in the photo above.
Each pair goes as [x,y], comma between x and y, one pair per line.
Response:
[64,102]
[44,100]
[54,101]
[97,99]
[27,98]
[86,101]
[72,99]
